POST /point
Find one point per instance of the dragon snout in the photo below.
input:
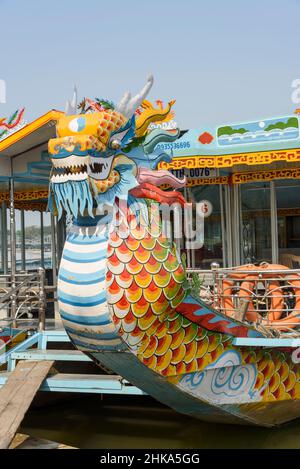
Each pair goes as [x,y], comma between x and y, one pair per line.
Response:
[71,157]
[80,170]
[71,168]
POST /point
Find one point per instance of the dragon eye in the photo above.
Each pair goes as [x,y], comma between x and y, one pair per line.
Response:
[115,144]
[78,124]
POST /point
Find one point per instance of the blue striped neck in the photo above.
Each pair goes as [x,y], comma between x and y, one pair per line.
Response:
[88,221]
[82,288]
[97,222]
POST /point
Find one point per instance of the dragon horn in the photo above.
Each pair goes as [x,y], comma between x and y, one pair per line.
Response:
[128,105]
[71,106]
[121,107]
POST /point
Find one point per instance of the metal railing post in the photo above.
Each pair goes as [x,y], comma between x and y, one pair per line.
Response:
[23,244]
[42,240]
[4,252]
[13,309]
[42,299]
[214,270]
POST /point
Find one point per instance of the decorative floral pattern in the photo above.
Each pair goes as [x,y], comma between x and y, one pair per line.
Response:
[227,161]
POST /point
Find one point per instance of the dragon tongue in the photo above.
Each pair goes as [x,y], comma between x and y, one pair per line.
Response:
[149,191]
[159,177]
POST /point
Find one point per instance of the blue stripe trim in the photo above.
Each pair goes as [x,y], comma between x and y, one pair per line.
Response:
[86,240]
[83,257]
[93,335]
[81,282]
[71,277]
[86,320]
[86,301]
[86,221]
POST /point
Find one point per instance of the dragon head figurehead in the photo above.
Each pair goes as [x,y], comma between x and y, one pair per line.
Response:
[107,152]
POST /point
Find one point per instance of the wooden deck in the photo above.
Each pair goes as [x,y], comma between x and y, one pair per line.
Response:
[22,441]
[17,394]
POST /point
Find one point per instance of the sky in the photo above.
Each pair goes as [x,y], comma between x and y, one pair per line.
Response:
[223,61]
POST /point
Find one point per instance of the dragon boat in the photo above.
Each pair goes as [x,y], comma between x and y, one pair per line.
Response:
[125,296]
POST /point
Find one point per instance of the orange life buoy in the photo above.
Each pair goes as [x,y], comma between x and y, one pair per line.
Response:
[245,291]
[274,292]
[293,319]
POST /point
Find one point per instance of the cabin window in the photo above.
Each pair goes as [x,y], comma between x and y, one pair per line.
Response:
[288,215]
[256,240]
[212,249]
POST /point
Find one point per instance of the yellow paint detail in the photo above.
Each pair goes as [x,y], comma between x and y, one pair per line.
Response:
[30,128]
[151,114]
[97,124]
[70,143]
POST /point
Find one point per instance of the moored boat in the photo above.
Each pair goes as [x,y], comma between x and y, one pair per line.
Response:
[125,295]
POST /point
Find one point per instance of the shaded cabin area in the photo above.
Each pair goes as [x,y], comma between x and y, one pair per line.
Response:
[31,238]
[249,176]
[246,175]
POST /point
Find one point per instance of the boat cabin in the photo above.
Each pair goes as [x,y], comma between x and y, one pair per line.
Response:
[248,175]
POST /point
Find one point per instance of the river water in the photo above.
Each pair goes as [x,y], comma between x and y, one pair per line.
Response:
[87,421]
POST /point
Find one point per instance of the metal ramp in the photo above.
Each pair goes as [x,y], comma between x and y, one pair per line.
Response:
[34,348]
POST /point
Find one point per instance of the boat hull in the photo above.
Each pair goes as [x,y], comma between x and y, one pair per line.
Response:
[264,414]
[181,354]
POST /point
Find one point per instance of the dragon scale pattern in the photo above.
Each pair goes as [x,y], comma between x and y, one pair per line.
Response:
[146,282]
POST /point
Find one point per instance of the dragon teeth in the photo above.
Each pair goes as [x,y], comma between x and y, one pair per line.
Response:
[58,178]
[79,168]
[101,166]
